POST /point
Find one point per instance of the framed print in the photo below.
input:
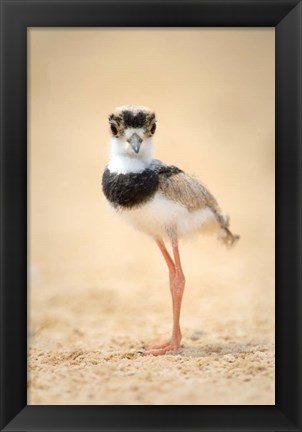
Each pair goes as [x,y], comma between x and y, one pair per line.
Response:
[87,310]
[224,81]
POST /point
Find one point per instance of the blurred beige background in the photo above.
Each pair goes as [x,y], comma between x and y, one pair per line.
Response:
[97,288]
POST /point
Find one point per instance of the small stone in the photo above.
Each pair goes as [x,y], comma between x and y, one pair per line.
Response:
[197,334]
[259,354]
[229,358]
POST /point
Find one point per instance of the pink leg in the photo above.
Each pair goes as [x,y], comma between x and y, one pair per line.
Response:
[166,255]
[177,282]
[178,285]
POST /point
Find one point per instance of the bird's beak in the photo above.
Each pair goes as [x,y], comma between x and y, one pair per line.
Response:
[135,141]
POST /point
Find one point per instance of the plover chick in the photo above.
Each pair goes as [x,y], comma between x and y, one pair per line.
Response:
[158,199]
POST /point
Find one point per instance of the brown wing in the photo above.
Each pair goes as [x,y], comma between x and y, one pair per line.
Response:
[186,190]
[190,192]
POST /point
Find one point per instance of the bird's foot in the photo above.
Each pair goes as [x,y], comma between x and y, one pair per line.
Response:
[162,348]
[156,346]
[160,351]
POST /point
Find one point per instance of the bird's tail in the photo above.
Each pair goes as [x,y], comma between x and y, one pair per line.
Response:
[225,235]
[228,238]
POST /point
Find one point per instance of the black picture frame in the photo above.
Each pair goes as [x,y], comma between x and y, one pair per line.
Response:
[16,17]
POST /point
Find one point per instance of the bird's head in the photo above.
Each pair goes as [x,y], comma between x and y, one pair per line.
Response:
[132,128]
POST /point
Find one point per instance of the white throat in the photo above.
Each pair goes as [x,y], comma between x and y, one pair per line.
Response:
[125,164]
[122,160]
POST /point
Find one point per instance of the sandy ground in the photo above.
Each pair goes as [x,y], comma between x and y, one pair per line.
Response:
[97,288]
[85,339]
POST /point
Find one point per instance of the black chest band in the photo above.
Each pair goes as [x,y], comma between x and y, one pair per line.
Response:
[129,190]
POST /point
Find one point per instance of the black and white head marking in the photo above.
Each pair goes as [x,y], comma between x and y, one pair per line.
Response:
[132,130]
[134,117]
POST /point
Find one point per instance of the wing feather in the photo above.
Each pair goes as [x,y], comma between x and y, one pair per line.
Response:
[190,192]
[187,190]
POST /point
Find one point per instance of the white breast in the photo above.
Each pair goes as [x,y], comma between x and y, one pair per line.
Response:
[160,214]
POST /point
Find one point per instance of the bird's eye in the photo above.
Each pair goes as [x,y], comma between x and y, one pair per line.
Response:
[113,129]
[153,128]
